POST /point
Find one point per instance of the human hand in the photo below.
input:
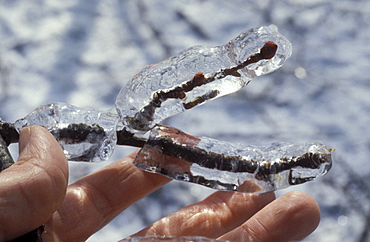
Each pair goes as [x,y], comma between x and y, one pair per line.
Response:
[35,191]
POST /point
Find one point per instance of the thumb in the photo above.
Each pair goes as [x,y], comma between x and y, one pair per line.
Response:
[33,188]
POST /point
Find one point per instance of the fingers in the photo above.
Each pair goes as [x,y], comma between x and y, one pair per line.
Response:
[34,187]
[96,199]
[291,217]
[212,217]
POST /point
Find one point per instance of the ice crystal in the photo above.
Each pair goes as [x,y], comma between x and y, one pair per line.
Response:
[224,166]
[84,134]
[199,74]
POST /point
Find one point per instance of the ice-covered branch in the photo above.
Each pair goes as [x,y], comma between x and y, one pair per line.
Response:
[199,74]
[226,166]
[179,83]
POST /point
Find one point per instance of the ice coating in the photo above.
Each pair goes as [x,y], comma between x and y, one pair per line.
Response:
[224,166]
[141,102]
[84,134]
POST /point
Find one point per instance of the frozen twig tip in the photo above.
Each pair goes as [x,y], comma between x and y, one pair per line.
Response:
[268,51]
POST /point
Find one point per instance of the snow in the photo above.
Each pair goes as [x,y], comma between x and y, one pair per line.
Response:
[82,52]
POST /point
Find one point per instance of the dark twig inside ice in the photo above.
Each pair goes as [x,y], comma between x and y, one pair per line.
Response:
[179,92]
[181,156]
[74,134]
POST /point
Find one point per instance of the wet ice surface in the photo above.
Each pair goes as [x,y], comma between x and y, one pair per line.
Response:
[196,75]
[90,135]
[84,134]
[231,167]
[83,52]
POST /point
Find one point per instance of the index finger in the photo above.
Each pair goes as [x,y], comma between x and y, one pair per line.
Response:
[217,214]
[96,199]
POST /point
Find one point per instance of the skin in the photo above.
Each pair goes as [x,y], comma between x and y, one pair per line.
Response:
[35,191]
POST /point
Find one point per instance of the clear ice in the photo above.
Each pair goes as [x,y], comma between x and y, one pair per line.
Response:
[182,82]
[133,100]
[224,166]
[143,102]
[84,134]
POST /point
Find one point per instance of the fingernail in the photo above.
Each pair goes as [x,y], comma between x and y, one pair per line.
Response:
[24,138]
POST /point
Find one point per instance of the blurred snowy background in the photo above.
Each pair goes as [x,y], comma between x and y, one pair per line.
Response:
[83,51]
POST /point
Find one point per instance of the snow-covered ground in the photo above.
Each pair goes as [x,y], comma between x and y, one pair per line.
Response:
[83,51]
